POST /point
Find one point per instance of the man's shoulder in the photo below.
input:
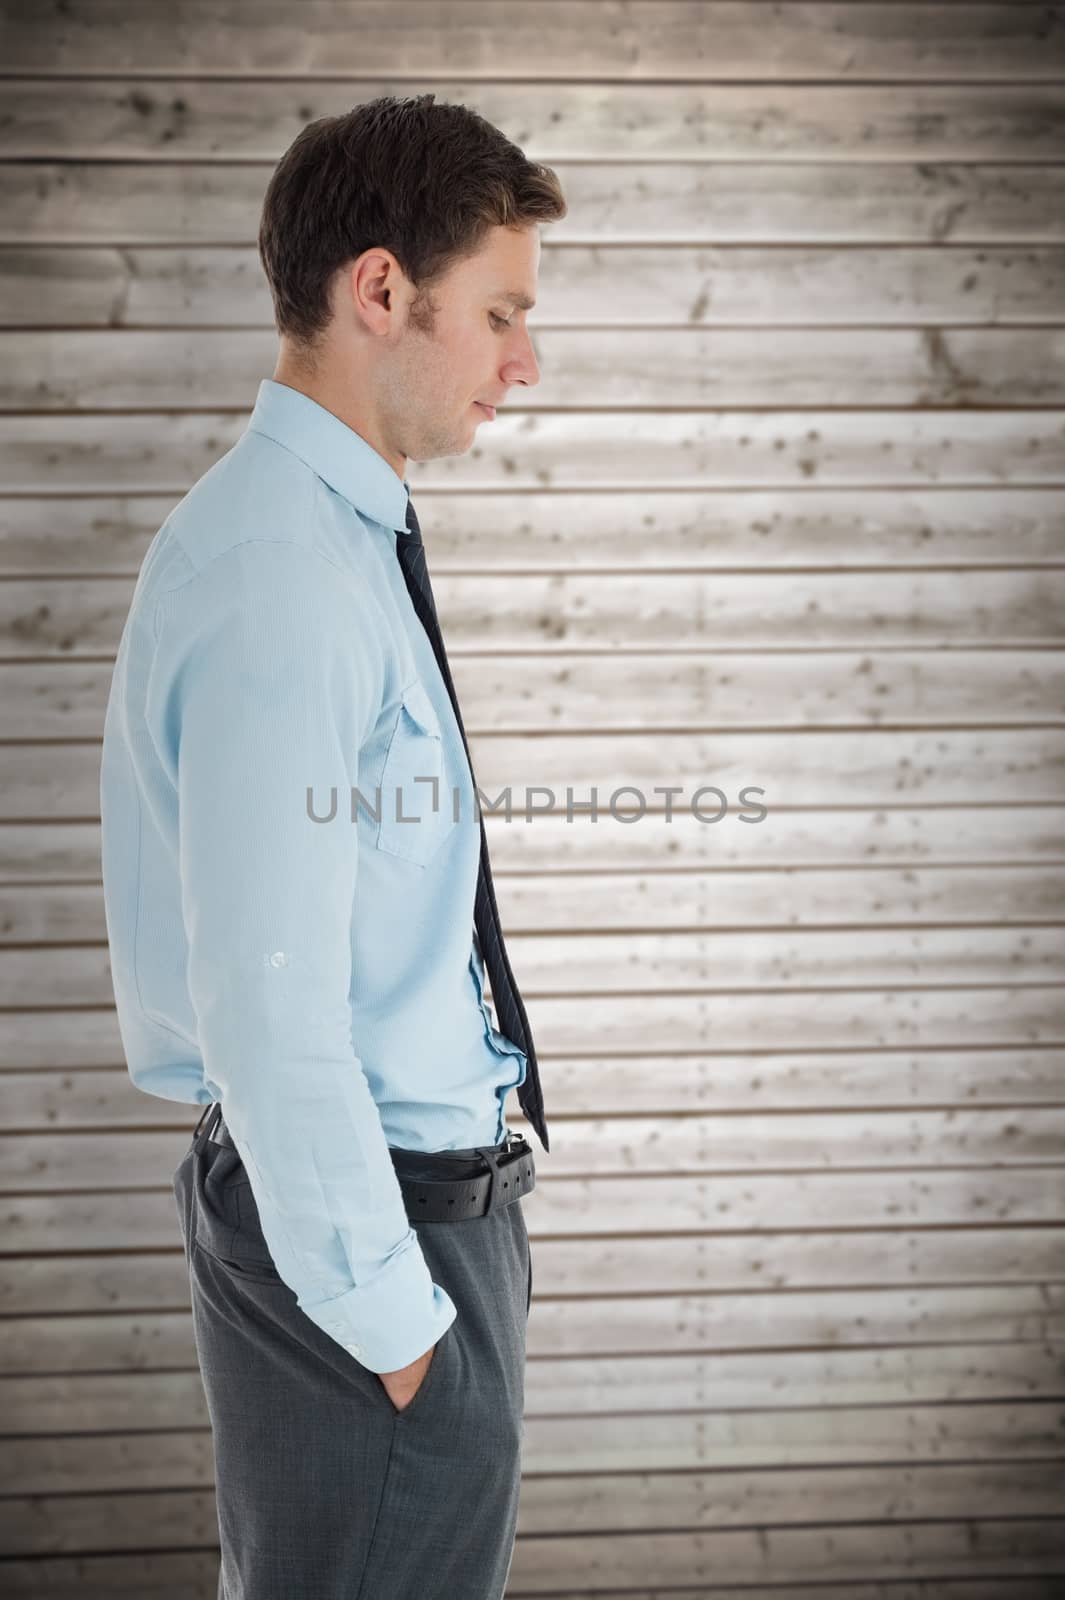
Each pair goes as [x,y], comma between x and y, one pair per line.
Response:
[260,496]
[255,492]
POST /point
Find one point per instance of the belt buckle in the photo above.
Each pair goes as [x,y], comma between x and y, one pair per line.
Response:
[511,1152]
[497,1160]
[517,1149]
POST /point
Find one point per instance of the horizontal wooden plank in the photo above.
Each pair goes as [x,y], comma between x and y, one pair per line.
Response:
[762,1140]
[164,1407]
[158,1469]
[849,1019]
[613,611]
[682,39]
[103,1097]
[65,699]
[169,1575]
[614,451]
[733,1437]
[722,286]
[184,204]
[95,1518]
[843,529]
[622,1324]
[895,903]
[660,1083]
[766,1019]
[891,1201]
[666,204]
[193,1575]
[60,1039]
[828,1554]
[573,963]
[102,1522]
[597,1025]
[785,1260]
[165,1404]
[47,853]
[912,1587]
[597,907]
[624,368]
[823,769]
[211,119]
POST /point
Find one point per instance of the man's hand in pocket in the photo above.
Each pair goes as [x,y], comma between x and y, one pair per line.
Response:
[402,1385]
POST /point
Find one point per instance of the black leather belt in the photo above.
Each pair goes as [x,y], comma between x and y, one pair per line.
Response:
[429,1194]
[510,1173]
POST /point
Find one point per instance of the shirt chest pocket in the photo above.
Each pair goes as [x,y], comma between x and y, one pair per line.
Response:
[415,800]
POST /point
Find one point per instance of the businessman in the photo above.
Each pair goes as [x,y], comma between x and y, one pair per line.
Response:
[299,900]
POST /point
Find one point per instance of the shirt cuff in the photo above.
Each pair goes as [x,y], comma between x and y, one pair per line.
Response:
[393,1318]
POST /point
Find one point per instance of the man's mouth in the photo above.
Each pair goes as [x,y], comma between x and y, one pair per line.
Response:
[489,411]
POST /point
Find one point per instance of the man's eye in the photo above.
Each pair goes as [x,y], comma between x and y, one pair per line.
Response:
[501,322]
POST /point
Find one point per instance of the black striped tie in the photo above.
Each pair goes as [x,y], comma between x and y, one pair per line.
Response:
[513,1021]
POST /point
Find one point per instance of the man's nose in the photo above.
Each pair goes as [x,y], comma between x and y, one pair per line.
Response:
[529,367]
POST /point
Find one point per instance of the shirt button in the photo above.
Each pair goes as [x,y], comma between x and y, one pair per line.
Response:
[279,959]
[356,1349]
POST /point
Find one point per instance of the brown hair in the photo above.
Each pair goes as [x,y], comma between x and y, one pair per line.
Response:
[425,181]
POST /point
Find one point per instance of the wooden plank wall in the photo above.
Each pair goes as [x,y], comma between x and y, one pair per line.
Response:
[785,510]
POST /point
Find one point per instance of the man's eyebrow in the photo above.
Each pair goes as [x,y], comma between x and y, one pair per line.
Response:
[521,300]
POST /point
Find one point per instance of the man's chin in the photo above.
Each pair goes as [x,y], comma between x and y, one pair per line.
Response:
[449,447]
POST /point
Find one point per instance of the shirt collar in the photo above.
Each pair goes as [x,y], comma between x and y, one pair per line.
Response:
[334,451]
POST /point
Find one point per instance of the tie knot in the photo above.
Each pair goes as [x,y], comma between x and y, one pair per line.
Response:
[413,528]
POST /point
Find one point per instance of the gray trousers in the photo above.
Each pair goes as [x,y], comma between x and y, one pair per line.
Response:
[324,1490]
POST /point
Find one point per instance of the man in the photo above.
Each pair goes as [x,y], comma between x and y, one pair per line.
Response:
[298,893]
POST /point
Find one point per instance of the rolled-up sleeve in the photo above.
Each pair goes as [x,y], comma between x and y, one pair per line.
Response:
[267,680]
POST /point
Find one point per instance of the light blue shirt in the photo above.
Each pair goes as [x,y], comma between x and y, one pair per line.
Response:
[321,978]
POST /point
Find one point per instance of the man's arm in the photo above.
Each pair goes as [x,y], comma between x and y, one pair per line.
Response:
[266,681]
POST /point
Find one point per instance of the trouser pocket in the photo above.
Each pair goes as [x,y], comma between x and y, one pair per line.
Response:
[182,1187]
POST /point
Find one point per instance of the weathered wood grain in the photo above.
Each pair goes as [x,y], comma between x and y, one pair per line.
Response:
[486,530]
[744,687]
[624,285]
[648,1146]
[785,510]
[682,39]
[625,369]
[181,119]
[622,1209]
[504,614]
[613,452]
[66,853]
[662,202]
[822,768]
[652,1263]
